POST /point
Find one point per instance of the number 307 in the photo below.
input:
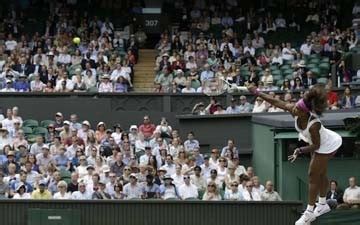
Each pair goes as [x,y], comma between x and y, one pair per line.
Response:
[151,23]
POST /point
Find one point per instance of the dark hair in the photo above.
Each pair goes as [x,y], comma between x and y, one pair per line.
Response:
[334,181]
[316,99]
[118,185]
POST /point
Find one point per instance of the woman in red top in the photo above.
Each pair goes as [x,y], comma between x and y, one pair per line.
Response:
[332,97]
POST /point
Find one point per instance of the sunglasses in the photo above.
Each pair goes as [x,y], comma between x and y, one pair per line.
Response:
[112,176]
[211,185]
[222,160]
[126,169]
[234,185]
[249,186]
[185,178]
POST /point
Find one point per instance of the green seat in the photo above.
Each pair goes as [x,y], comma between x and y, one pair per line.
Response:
[288,71]
[45,123]
[30,123]
[287,62]
[322,80]
[324,67]
[274,67]
[31,138]
[277,77]
[325,60]
[276,73]
[316,71]
[27,130]
[311,65]
[314,61]
[285,67]
[279,83]
[289,77]
[40,130]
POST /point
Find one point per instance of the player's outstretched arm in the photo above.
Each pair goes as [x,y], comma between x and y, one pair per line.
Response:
[275,102]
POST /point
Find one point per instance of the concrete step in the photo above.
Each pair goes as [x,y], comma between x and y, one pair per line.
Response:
[144,71]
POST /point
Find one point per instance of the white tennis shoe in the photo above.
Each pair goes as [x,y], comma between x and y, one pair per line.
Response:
[306,218]
[321,209]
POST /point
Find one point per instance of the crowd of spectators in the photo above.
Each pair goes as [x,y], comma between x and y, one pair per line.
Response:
[209,44]
[50,61]
[72,161]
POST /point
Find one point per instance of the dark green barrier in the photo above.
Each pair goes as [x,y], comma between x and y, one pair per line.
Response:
[153,212]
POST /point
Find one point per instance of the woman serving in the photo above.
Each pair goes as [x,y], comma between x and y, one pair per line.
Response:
[323,144]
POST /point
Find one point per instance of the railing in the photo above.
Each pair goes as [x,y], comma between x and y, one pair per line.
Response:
[152,212]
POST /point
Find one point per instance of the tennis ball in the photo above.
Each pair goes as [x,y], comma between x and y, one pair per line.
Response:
[76,40]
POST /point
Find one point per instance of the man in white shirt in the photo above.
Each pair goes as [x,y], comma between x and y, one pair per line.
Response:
[249,48]
[169,165]
[188,88]
[351,196]
[64,57]
[305,48]
[10,43]
[81,194]
[8,123]
[250,194]
[188,190]
[133,190]
[206,167]
[269,194]
[8,87]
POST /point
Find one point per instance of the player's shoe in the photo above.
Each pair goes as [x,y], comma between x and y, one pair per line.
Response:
[321,209]
[306,218]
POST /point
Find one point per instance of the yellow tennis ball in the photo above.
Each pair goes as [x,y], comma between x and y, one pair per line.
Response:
[76,40]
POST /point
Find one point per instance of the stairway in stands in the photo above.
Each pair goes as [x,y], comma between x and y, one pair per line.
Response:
[144,71]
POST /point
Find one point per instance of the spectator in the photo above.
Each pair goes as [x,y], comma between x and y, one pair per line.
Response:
[198,179]
[348,100]
[168,189]
[244,106]
[101,193]
[233,193]
[62,193]
[21,191]
[82,193]
[267,79]
[351,196]
[233,108]
[332,97]
[212,193]
[41,193]
[199,109]
[250,194]
[191,143]
[334,197]
[118,191]
[259,105]
[188,190]
[308,81]
[147,128]
[150,189]
[133,190]
[269,194]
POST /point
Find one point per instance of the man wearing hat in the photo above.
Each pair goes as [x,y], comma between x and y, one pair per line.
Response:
[11,160]
[233,108]
[21,85]
[101,193]
[8,87]
[59,118]
[66,132]
[41,193]
[133,189]
[168,189]
[105,84]
[85,131]
[44,159]
[199,109]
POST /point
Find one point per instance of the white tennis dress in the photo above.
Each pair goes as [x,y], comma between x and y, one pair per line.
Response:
[330,141]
